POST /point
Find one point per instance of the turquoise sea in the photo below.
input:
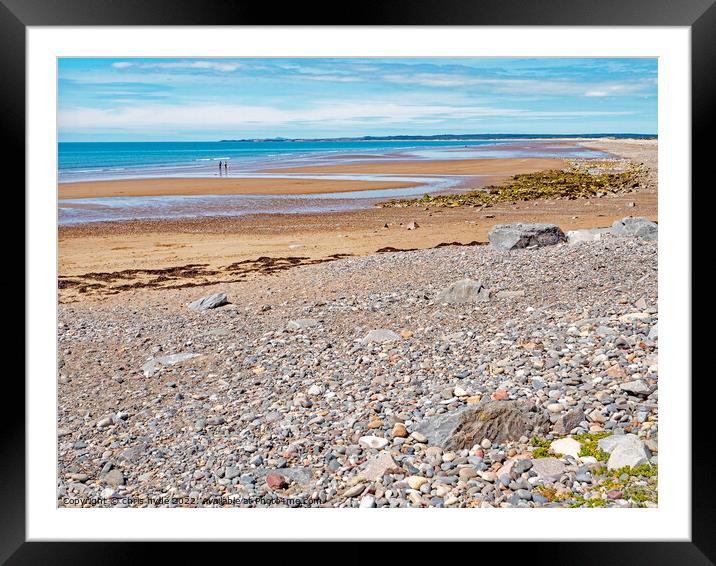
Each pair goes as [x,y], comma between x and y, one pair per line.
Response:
[90,161]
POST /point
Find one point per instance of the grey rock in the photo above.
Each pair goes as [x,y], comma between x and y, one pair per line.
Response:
[548,469]
[301,323]
[499,421]
[624,450]
[114,477]
[636,387]
[209,302]
[568,421]
[590,235]
[247,479]
[524,494]
[134,453]
[380,335]
[378,466]
[464,291]
[515,236]
[654,332]
[636,226]
[583,475]
[176,358]
[154,364]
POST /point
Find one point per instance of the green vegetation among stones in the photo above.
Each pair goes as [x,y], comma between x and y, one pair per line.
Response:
[642,493]
[643,471]
[541,447]
[590,447]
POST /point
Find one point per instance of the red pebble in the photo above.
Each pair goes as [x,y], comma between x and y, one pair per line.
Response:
[499,395]
[275,481]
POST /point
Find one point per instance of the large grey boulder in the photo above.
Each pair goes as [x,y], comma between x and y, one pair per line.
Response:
[636,226]
[515,236]
[624,450]
[464,291]
[209,302]
[498,421]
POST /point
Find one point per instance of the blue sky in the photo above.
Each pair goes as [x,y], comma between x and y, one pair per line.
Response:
[132,99]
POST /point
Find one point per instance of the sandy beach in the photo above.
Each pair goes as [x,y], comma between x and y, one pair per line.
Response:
[165,247]
[493,169]
[226,186]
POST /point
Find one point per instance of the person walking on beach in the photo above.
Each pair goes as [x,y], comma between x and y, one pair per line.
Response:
[226,167]
[219,167]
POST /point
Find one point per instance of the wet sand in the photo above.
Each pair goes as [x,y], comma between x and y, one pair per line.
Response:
[226,186]
[489,166]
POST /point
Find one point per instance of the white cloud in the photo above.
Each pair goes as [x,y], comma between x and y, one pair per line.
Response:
[350,73]
[158,116]
[520,86]
[223,66]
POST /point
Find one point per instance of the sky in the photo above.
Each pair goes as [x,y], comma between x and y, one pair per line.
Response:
[192,99]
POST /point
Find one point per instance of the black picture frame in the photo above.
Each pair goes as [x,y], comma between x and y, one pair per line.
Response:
[699,15]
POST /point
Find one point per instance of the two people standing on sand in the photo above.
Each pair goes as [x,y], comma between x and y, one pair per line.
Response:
[226,166]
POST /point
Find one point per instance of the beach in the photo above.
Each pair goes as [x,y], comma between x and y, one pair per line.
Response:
[216,242]
[347,357]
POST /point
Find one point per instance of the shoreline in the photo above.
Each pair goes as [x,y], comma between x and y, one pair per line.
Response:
[491,168]
[118,247]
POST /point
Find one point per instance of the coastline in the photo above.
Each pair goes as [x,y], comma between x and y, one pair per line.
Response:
[216,242]
[493,168]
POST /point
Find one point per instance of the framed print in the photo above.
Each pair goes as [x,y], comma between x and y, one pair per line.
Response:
[427,264]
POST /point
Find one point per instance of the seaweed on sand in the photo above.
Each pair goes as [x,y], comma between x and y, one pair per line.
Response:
[576,181]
